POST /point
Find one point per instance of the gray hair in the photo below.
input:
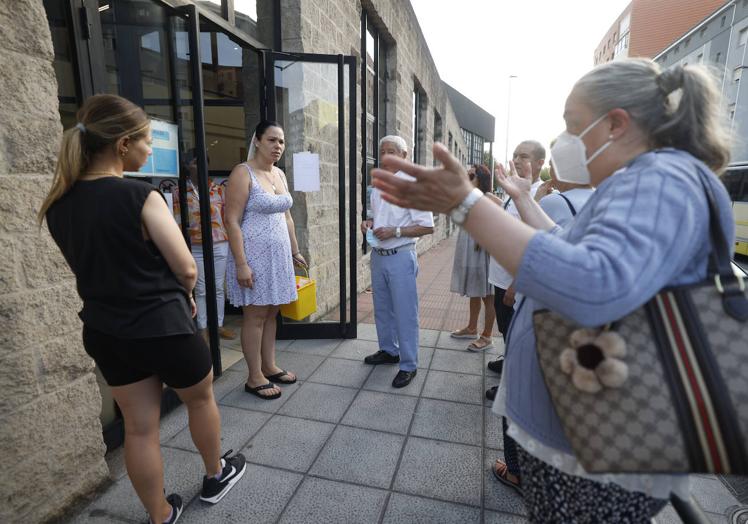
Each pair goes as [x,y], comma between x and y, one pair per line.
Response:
[678,107]
[398,141]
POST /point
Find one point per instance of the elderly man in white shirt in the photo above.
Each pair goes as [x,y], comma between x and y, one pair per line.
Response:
[392,234]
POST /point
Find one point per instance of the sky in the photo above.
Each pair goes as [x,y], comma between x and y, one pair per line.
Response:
[547,44]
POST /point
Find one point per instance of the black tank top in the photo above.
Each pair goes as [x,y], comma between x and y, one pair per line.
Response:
[127,288]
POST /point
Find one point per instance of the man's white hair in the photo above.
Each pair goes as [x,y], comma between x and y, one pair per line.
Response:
[398,141]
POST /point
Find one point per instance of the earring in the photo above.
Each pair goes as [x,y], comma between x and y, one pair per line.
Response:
[123,152]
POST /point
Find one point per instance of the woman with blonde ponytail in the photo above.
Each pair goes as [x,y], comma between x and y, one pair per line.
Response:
[135,276]
[650,142]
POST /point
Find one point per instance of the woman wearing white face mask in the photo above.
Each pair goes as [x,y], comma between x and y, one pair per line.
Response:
[647,152]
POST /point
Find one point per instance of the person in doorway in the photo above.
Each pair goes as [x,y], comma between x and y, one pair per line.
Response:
[651,141]
[220,244]
[470,275]
[135,276]
[260,274]
[393,233]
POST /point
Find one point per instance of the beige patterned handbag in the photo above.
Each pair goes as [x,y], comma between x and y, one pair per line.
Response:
[664,389]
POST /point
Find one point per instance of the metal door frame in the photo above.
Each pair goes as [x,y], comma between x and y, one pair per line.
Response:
[344,328]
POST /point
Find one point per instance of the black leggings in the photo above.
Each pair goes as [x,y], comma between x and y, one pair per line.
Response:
[180,361]
[504,313]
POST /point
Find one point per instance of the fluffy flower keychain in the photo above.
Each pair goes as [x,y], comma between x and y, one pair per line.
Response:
[594,360]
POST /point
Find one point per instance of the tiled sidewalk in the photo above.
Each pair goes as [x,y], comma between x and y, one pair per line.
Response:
[343,446]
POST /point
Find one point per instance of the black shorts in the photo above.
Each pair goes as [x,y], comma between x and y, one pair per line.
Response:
[180,361]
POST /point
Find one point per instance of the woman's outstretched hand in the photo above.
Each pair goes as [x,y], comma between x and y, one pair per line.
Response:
[439,189]
[514,184]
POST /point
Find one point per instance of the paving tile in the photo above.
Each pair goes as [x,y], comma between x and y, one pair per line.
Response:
[356,349]
[237,427]
[342,372]
[250,500]
[183,472]
[667,516]
[319,402]
[407,509]
[497,496]
[428,337]
[381,380]
[457,361]
[454,386]
[366,331]
[711,494]
[239,398]
[231,379]
[361,456]
[289,443]
[493,435]
[172,423]
[450,421]
[322,347]
[495,517]
[381,411]
[282,345]
[320,500]
[440,470]
[446,341]
[300,364]
[115,461]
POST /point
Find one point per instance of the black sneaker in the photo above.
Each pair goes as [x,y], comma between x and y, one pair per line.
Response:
[233,469]
[176,508]
[497,366]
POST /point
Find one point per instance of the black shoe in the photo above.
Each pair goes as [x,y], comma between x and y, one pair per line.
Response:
[176,508]
[403,378]
[497,365]
[381,357]
[491,393]
[233,469]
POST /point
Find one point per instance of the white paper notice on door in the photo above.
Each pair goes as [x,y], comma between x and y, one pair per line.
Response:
[306,172]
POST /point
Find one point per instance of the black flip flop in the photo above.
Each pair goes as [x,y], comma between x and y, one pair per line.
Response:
[256,391]
[277,377]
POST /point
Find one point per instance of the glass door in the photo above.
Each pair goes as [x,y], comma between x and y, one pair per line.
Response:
[313,97]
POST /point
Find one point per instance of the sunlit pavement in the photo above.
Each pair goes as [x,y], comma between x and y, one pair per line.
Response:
[342,445]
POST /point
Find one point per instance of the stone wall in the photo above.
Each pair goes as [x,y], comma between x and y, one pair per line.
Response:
[332,27]
[51,449]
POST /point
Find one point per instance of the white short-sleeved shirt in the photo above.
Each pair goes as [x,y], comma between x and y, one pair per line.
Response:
[390,215]
[497,275]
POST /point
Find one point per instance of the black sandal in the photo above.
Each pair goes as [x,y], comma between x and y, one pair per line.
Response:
[256,391]
[277,378]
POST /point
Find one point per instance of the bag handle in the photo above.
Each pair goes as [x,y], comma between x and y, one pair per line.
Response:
[728,284]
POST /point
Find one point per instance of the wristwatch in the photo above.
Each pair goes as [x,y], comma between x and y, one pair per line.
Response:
[398,233]
[460,213]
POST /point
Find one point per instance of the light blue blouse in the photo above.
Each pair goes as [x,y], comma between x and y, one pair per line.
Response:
[644,228]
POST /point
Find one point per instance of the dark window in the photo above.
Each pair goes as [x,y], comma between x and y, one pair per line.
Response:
[418,123]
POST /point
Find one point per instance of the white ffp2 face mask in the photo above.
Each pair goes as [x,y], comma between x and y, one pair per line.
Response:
[569,156]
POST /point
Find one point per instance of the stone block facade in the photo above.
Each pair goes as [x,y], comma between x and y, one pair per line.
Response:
[51,449]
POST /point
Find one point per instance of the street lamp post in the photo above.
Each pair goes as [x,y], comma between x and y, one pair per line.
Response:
[508,108]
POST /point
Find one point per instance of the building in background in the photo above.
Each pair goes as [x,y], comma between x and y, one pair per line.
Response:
[337,74]
[720,40]
[476,125]
[646,27]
